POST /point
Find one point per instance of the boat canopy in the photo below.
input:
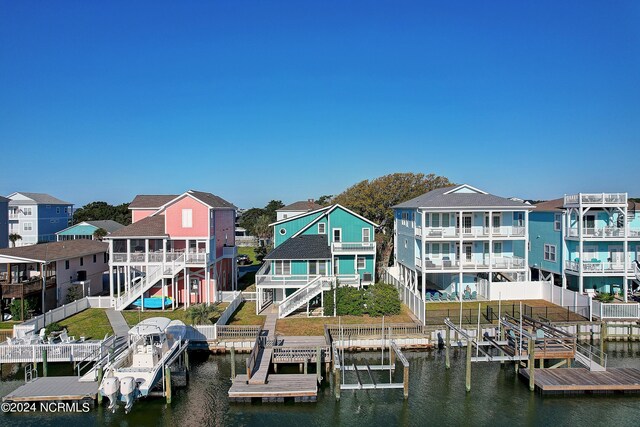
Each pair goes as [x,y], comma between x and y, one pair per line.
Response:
[151,326]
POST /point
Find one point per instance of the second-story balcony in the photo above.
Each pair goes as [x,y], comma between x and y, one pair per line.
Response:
[505,231]
[353,248]
[595,199]
[160,257]
[497,263]
[598,232]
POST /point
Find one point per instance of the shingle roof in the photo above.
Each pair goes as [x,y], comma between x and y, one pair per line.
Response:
[44,199]
[150,201]
[3,199]
[211,199]
[555,205]
[55,251]
[108,225]
[302,205]
[438,199]
[314,246]
[151,226]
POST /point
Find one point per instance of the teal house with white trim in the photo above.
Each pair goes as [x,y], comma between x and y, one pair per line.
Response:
[312,251]
[587,242]
[86,229]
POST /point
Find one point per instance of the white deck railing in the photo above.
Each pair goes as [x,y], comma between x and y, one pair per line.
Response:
[498,263]
[596,267]
[596,199]
[365,247]
[616,310]
[303,295]
[61,352]
[160,256]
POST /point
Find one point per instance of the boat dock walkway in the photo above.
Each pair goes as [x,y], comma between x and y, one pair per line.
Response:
[48,389]
[582,380]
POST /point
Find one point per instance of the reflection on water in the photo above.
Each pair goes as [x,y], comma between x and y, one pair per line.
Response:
[437,396]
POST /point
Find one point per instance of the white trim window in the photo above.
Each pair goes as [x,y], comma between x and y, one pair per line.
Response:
[497,248]
[27,211]
[435,220]
[550,253]
[322,228]
[557,222]
[317,268]
[361,263]
[366,234]
[337,235]
[187,218]
[282,267]
[27,226]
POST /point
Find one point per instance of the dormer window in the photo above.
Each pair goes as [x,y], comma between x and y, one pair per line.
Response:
[322,228]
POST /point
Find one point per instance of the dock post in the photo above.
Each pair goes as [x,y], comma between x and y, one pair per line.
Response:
[233,362]
[532,364]
[305,366]
[318,364]
[167,379]
[405,381]
[468,376]
[44,362]
[502,353]
[100,373]
[336,382]
[186,359]
[603,337]
[447,343]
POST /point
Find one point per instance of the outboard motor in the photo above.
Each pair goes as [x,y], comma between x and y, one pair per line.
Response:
[110,390]
[127,391]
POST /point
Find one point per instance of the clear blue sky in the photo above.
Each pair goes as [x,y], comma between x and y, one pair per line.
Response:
[260,100]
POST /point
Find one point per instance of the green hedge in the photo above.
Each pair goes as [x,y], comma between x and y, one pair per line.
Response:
[379,299]
[383,300]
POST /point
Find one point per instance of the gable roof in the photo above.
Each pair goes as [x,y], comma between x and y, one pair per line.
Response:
[41,198]
[312,246]
[302,205]
[332,208]
[151,226]
[302,215]
[107,224]
[555,205]
[150,201]
[211,199]
[447,197]
[54,251]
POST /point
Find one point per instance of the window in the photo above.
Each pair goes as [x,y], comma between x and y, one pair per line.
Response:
[337,235]
[322,228]
[283,231]
[426,219]
[435,250]
[445,249]
[27,226]
[58,210]
[187,218]
[81,261]
[322,268]
[497,248]
[405,243]
[313,268]
[435,220]
[519,219]
[66,264]
[283,267]
[95,258]
[557,222]
[445,220]
[26,211]
[366,234]
[496,221]
[317,268]
[284,216]
[550,253]
[360,263]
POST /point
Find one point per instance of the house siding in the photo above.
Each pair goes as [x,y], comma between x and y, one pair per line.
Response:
[541,233]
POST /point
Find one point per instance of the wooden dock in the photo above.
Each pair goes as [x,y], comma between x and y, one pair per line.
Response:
[582,380]
[46,389]
[301,387]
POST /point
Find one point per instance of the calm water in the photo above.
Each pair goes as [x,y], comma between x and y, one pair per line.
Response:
[437,396]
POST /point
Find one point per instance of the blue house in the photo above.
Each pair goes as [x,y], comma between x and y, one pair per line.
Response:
[458,240]
[587,242]
[37,217]
[4,222]
[313,251]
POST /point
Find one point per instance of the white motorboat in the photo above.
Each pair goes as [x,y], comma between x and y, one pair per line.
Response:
[152,343]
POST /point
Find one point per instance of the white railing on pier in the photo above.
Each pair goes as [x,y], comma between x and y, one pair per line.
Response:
[60,352]
[303,295]
[616,310]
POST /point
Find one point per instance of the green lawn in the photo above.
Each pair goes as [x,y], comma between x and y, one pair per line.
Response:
[91,323]
[133,317]
[246,315]
[249,250]
[8,324]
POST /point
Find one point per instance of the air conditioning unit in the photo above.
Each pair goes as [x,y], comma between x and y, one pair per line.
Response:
[367,277]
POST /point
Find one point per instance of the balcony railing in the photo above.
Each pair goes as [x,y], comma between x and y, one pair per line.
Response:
[13,216]
[601,232]
[26,287]
[360,247]
[475,231]
[598,267]
[599,199]
[158,257]
[497,263]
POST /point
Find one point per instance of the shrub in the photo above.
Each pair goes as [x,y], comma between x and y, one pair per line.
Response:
[16,308]
[52,327]
[604,297]
[328,302]
[73,293]
[382,299]
[350,301]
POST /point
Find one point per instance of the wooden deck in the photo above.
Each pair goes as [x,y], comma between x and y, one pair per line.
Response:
[582,380]
[300,386]
[53,389]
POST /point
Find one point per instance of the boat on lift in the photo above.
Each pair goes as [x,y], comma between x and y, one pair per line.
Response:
[152,343]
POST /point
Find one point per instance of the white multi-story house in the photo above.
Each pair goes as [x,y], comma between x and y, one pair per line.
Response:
[449,239]
[37,217]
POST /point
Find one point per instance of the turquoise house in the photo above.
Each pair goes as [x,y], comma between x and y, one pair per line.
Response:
[85,229]
[311,252]
[587,242]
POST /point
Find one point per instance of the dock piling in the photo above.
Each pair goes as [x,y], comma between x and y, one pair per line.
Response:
[447,343]
[233,362]
[44,362]
[336,382]
[468,376]
[532,364]
[167,378]
[100,373]
[318,364]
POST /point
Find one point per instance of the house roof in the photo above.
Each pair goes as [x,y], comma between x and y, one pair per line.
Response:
[150,201]
[107,224]
[307,246]
[55,251]
[555,205]
[151,226]
[302,205]
[86,228]
[449,197]
[211,199]
[3,199]
[41,198]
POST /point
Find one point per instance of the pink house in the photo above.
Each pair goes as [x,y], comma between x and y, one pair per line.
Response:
[179,249]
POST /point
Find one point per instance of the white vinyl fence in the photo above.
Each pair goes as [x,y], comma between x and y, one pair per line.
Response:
[409,298]
[616,310]
[55,315]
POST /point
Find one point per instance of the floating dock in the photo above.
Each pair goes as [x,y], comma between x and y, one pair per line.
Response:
[301,387]
[582,380]
[51,389]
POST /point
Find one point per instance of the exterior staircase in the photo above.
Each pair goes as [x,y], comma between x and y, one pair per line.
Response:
[303,295]
[139,287]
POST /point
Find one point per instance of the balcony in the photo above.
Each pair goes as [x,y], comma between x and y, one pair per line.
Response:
[159,257]
[505,231]
[354,248]
[14,216]
[597,267]
[608,232]
[26,287]
[497,263]
[595,199]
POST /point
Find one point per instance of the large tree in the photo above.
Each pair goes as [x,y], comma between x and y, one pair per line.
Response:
[256,220]
[96,211]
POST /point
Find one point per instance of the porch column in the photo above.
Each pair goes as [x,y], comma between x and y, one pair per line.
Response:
[580,246]
[164,291]
[187,291]
[207,276]
[526,246]
[490,213]
[146,250]
[118,280]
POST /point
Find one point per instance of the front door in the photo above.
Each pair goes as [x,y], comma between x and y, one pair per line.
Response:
[468,249]
[336,266]
[616,254]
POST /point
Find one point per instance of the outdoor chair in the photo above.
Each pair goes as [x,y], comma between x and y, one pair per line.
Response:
[474,295]
[436,297]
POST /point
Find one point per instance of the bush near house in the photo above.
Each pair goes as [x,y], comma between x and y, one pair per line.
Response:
[380,299]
